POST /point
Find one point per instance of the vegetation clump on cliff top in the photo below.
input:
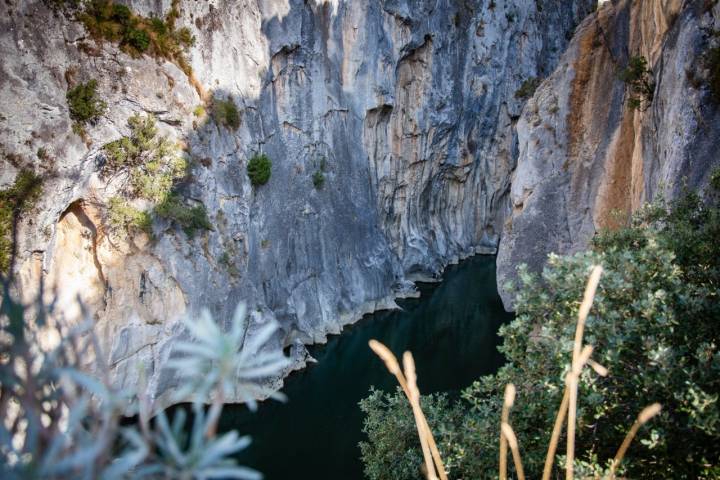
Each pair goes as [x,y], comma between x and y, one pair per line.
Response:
[259,169]
[15,200]
[654,325]
[106,20]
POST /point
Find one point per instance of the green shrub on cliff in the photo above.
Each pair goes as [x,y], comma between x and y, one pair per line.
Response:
[84,103]
[712,62]
[14,201]
[528,87]
[640,80]
[123,216]
[258,169]
[225,113]
[154,167]
[189,218]
[655,324]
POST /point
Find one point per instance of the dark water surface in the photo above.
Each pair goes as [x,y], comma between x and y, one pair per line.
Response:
[452,332]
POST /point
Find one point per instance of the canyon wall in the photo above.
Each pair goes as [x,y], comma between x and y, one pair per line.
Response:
[586,160]
[409,107]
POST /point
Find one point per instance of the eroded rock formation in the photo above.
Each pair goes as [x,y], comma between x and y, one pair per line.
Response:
[586,160]
[408,107]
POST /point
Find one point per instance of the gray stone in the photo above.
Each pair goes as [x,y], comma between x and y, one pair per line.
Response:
[411,103]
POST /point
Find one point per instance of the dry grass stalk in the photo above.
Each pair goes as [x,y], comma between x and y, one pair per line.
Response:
[414,397]
[572,381]
[507,405]
[646,414]
[599,369]
[394,367]
[555,437]
[576,368]
[508,433]
[585,306]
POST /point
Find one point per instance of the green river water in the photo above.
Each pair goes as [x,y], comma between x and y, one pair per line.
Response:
[452,332]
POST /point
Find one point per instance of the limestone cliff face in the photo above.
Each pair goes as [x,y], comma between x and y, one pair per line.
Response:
[411,104]
[586,160]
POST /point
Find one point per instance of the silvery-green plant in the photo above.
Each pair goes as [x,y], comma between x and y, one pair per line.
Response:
[58,421]
[214,363]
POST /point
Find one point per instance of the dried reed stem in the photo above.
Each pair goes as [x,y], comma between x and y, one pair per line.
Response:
[572,379]
[394,367]
[587,302]
[508,433]
[599,369]
[508,401]
[411,378]
[555,437]
[646,414]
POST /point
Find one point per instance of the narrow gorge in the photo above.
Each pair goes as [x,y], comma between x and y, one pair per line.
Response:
[403,137]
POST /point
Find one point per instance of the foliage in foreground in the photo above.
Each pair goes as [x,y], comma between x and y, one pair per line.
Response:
[14,201]
[56,421]
[654,324]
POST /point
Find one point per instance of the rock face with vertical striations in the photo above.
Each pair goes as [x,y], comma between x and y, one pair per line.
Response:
[416,115]
[586,160]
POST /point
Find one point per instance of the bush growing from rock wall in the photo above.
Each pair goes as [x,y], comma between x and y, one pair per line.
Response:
[42,153]
[141,146]
[84,104]
[259,169]
[190,218]
[154,168]
[639,79]
[123,216]
[527,88]
[654,324]
[225,113]
[137,39]
[712,62]
[318,179]
[15,201]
